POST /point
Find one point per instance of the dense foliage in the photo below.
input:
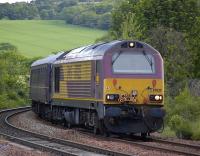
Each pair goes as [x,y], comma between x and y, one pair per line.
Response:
[184,115]
[172,27]
[94,14]
[14,71]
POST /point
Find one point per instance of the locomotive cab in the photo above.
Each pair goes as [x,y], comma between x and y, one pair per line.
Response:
[133,88]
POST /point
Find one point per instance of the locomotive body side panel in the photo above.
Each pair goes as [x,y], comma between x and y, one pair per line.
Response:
[40,83]
[76,81]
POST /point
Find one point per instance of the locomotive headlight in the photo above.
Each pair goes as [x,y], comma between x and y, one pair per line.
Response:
[112,97]
[157,97]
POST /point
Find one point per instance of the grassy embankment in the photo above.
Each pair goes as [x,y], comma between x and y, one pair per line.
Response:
[42,37]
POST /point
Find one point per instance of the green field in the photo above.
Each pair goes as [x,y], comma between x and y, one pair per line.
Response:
[42,37]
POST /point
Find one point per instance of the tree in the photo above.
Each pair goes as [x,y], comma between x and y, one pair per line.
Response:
[118,15]
[176,14]
[13,77]
[193,40]
[177,59]
[66,3]
[104,21]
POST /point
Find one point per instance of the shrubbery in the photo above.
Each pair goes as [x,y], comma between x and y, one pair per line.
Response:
[14,71]
[183,115]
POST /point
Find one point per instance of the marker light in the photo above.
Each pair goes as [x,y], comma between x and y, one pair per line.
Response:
[131,44]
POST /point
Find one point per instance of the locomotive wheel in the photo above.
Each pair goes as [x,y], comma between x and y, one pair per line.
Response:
[144,135]
[96,130]
[106,133]
[101,127]
[103,130]
[97,125]
[69,125]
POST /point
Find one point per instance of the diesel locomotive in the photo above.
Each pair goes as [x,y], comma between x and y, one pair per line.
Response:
[112,87]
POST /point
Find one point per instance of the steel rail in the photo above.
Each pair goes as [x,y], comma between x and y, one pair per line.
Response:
[138,141]
[165,141]
[47,143]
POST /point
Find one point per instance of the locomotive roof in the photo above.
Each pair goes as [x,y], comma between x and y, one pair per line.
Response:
[96,51]
[50,59]
[90,52]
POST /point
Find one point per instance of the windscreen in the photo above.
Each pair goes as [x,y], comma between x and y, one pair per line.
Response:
[133,63]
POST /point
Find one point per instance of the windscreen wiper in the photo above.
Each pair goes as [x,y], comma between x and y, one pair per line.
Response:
[116,57]
[148,59]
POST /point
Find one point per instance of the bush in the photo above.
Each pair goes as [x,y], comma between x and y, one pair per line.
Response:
[196,130]
[181,127]
[168,132]
[183,115]
[14,69]
[3,101]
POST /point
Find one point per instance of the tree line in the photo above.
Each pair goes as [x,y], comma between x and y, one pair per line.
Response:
[94,14]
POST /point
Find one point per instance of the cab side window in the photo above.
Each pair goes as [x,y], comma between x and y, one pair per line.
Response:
[57,79]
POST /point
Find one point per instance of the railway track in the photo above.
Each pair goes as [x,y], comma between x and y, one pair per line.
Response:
[158,144]
[167,146]
[42,142]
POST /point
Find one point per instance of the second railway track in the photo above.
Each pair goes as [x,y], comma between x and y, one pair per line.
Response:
[42,142]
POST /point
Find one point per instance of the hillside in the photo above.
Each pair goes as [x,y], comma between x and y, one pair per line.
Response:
[42,37]
[87,13]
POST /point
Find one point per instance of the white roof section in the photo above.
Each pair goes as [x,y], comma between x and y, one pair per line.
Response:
[50,59]
[91,52]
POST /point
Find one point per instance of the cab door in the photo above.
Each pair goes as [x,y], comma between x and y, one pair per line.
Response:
[98,80]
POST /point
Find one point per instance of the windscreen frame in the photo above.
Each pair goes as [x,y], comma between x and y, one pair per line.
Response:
[147,61]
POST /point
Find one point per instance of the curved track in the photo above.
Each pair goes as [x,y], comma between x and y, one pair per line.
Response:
[42,142]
